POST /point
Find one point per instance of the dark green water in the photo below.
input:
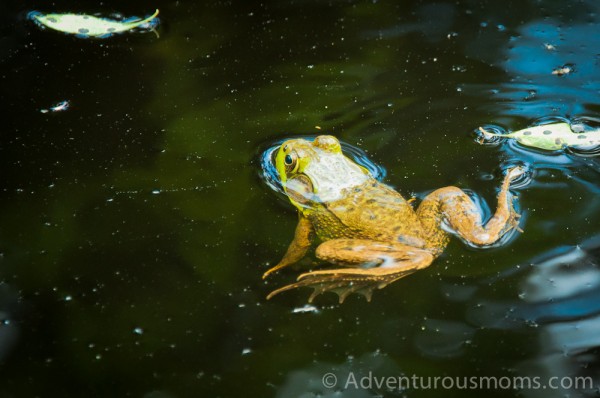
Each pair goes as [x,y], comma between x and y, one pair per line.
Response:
[135,228]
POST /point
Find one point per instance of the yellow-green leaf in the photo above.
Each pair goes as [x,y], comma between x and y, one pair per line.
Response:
[550,137]
[83,25]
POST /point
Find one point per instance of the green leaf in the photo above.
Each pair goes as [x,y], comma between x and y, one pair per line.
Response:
[550,137]
[88,25]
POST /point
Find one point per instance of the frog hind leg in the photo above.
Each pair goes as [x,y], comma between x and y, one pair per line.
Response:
[389,261]
[454,207]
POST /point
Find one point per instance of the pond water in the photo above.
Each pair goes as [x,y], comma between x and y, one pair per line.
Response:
[136,226]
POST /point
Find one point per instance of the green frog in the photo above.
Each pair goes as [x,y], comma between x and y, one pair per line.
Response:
[367,227]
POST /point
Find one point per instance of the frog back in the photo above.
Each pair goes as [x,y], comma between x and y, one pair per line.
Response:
[371,210]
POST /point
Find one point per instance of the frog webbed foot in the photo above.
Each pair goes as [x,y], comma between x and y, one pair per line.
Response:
[330,283]
[344,282]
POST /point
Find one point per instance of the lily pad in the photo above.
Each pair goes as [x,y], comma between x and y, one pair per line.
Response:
[83,25]
[550,137]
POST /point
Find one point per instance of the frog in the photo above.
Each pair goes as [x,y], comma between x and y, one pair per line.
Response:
[368,229]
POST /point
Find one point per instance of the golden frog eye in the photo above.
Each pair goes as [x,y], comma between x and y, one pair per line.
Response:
[291,162]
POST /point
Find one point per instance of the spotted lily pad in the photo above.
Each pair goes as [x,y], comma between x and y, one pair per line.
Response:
[550,137]
[83,25]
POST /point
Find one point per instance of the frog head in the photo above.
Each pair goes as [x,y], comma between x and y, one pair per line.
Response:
[316,172]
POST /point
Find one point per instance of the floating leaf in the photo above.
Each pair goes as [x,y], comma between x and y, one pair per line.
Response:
[83,25]
[550,137]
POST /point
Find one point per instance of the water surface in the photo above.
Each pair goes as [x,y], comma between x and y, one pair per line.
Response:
[135,227]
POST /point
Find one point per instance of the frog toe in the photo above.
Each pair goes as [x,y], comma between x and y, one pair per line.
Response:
[320,284]
[344,282]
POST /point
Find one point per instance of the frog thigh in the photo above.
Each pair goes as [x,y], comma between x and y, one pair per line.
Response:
[393,261]
[368,253]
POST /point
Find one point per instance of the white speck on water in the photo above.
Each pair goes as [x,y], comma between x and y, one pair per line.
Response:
[155,191]
[139,331]
[246,351]
[306,308]
[68,298]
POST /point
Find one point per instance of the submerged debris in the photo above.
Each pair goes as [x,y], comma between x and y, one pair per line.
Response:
[61,106]
[85,26]
[564,70]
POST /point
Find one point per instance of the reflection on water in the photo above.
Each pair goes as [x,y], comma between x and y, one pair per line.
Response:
[559,296]
[444,339]
[537,48]
[9,329]
[309,382]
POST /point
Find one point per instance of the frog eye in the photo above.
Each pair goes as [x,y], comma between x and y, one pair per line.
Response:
[291,162]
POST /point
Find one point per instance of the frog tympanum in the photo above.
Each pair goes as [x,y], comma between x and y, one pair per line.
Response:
[367,227]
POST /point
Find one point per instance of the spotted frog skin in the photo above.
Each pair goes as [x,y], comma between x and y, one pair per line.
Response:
[366,226]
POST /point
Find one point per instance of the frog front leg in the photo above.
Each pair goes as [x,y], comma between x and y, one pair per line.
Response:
[389,262]
[299,246]
[453,207]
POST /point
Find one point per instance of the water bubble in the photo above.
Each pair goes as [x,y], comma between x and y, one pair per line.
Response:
[138,331]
